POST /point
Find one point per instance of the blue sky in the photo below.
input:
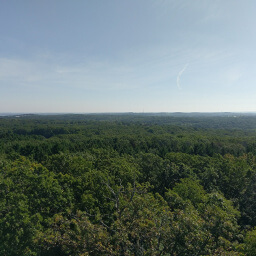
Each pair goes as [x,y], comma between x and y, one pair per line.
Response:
[127,56]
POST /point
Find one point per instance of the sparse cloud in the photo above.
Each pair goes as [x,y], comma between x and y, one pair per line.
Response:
[180,74]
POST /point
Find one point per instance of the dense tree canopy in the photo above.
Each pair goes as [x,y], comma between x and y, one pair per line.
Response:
[128,185]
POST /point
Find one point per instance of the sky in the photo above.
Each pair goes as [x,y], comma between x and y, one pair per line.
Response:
[88,56]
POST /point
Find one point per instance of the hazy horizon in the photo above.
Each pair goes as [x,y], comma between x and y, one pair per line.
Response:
[147,56]
[123,113]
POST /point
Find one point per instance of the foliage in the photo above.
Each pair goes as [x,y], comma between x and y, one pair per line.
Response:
[127,184]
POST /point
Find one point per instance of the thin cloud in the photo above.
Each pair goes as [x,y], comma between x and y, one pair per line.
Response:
[179,75]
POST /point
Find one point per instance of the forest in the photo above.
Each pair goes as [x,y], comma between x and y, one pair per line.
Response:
[128,184]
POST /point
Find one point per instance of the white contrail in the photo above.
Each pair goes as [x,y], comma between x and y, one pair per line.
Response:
[179,75]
